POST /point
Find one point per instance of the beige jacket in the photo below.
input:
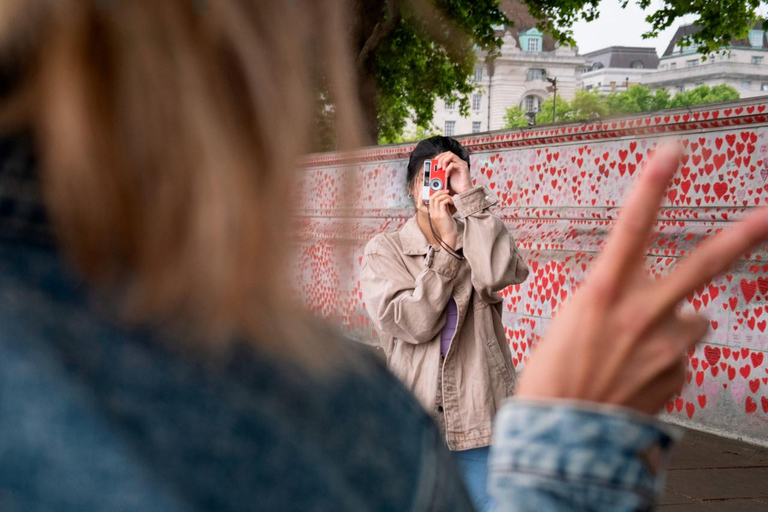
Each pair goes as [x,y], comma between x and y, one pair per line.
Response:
[406,286]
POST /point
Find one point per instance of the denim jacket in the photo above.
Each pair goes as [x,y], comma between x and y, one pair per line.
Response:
[566,455]
[93,418]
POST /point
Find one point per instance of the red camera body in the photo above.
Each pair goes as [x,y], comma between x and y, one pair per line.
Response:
[434,179]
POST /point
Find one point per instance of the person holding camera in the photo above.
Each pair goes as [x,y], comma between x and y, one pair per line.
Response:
[431,290]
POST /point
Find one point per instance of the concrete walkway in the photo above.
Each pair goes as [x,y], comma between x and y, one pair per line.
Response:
[709,473]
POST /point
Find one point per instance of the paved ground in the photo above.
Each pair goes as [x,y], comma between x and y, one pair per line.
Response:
[709,473]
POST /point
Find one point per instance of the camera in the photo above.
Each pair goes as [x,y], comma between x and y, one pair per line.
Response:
[434,179]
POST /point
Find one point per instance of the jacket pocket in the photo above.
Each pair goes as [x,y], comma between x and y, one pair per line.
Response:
[400,361]
[498,363]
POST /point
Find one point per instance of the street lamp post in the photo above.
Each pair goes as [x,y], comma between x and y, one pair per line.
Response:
[553,89]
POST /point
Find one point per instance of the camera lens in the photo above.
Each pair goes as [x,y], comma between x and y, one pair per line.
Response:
[436,184]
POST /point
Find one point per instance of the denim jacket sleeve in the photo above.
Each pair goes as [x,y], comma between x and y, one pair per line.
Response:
[568,455]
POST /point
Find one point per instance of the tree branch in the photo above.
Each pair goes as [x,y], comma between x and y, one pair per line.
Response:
[380,31]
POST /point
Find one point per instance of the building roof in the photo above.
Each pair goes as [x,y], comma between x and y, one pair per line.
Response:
[624,57]
[518,13]
[686,30]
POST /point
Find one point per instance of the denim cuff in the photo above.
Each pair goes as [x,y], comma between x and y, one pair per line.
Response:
[584,443]
[473,200]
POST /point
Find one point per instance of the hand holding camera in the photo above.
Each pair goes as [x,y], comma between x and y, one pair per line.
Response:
[456,172]
[441,211]
[444,176]
[445,172]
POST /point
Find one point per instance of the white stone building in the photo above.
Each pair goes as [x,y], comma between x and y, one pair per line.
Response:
[516,77]
[742,65]
[616,68]
[518,74]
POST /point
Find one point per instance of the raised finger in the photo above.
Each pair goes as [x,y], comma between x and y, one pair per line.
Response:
[435,199]
[443,201]
[446,204]
[651,396]
[448,158]
[659,354]
[628,240]
[453,166]
[714,256]
[441,158]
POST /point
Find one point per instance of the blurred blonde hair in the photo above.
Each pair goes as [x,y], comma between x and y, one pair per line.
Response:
[170,132]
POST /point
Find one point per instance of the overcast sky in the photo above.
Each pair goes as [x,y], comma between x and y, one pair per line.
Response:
[621,27]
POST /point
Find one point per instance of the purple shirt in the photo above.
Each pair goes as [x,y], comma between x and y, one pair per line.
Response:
[446,334]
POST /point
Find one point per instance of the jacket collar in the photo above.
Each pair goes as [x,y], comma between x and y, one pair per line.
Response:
[415,243]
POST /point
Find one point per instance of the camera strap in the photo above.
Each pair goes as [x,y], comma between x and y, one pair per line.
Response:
[444,245]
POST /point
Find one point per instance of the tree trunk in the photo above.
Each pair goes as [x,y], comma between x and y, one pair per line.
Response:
[375,19]
[366,86]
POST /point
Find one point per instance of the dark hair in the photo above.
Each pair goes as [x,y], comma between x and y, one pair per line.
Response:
[431,147]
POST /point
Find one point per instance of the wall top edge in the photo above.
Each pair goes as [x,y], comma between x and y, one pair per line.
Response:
[714,115]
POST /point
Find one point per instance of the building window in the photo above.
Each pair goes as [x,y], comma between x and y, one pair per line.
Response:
[450,128]
[663,66]
[534,44]
[757,60]
[746,84]
[536,74]
[589,87]
[450,105]
[764,86]
[756,38]
[478,74]
[597,66]
[475,126]
[638,64]
[680,88]
[476,101]
[692,63]
[531,103]
[673,65]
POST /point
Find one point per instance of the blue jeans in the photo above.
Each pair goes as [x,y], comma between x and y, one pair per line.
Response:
[474,466]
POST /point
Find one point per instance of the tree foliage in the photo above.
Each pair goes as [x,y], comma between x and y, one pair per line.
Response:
[704,94]
[419,133]
[515,118]
[588,105]
[546,111]
[638,98]
[719,22]
[409,53]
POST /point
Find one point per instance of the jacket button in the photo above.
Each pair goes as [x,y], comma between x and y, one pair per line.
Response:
[439,408]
